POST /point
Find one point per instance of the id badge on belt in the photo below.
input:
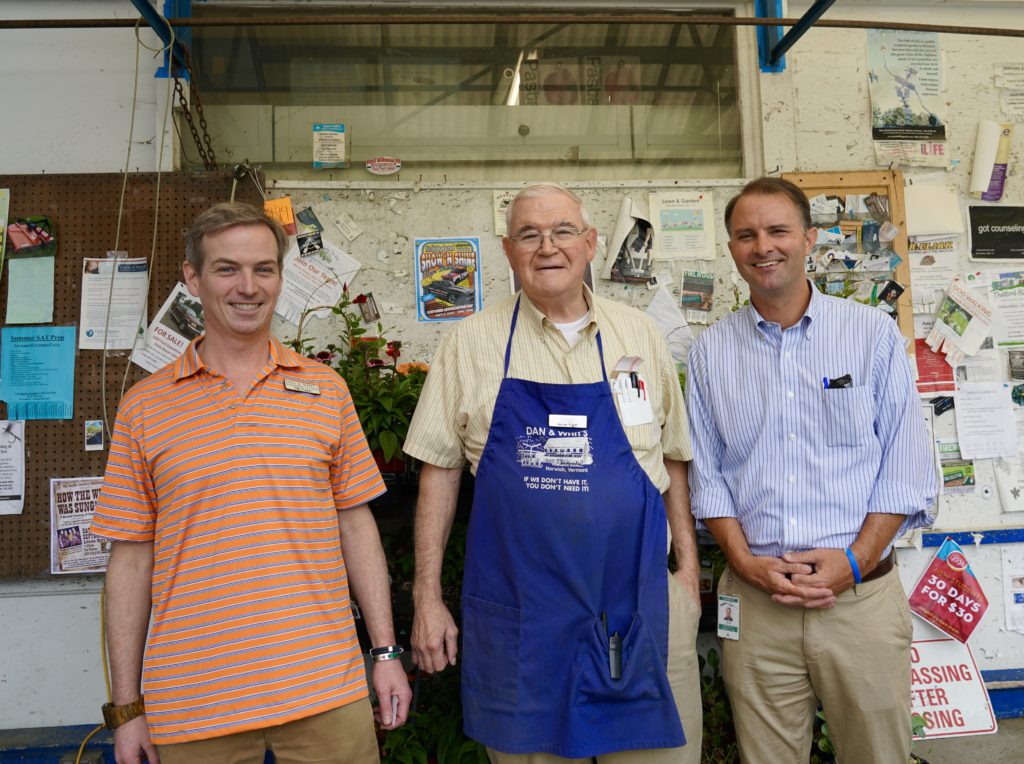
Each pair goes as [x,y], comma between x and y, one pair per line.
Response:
[728,616]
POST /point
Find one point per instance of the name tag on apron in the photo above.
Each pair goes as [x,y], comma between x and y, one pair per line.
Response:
[568,421]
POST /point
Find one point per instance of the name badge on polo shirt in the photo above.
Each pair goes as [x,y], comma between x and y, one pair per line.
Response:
[298,386]
[728,616]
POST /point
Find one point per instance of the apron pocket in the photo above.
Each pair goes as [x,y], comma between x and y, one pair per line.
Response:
[643,672]
[490,656]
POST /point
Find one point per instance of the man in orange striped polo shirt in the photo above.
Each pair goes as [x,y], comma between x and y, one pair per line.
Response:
[236,497]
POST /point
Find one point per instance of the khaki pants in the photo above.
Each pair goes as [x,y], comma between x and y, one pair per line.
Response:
[683,677]
[341,736]
[854,657]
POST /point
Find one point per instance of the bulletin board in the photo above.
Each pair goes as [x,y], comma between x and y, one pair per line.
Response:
[886,185]
[84,211]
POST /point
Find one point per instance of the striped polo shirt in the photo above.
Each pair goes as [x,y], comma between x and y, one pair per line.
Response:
[251,619]
[453,416]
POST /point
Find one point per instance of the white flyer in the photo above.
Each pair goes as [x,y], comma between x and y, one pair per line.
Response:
[961,323]
[684,225]
[113,311]
[933,265]
[177,323]
[314,282]
[985,423]
[12,466]
[1013,589]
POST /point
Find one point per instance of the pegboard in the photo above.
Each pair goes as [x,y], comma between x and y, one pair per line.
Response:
[83,209]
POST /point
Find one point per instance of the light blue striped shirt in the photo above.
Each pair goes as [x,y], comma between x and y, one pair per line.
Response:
[798,465]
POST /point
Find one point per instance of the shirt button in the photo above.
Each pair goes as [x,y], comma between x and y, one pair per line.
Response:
[789,393]
[792,436]
[233,406]
[792,521]
[788,354]
[792,478]
[225,385]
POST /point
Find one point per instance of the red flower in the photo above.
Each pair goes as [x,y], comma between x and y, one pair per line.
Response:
[359,299]
[394,349]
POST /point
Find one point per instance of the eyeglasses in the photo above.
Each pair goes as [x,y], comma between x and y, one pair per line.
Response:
[531,238]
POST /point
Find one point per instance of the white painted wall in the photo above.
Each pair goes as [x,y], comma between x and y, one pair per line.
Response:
[65,98]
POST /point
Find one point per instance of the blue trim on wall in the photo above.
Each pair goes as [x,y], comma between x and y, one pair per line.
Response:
[966,538]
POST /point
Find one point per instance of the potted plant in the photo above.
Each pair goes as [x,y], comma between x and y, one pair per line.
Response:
[384,391]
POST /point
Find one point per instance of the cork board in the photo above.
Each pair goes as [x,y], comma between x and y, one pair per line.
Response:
[83,208]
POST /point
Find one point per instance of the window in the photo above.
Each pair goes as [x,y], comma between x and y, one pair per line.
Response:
[505,97]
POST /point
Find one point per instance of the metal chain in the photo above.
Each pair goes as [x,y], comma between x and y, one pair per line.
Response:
[203,145]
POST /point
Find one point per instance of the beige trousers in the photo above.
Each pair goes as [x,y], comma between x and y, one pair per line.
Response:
[341,736]
[683,677]
[854,658]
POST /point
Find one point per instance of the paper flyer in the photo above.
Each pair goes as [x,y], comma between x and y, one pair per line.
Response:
[1006,292]
[37,366]
[696,295]
[330,146]
[905,84]
[957,472]
[1013,589]
[499,203]
[991,159]
[948,595]
[629,257]
[684,225]
[12,467]
[30,283]
[985,423]
[315,281]
[933,266]
[5,207]
[176,324]
[448,284]
[961,323]
[73,547]
[122,283]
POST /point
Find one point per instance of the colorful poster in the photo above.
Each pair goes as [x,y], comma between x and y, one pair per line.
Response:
[73,547]
[684,225]
[948,595]
[448,285]
[905,82]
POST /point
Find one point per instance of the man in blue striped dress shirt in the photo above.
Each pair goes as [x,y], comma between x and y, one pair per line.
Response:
[810,457]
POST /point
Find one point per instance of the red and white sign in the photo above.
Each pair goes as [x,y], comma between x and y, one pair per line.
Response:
[387,166]
[947,690]
[948,594]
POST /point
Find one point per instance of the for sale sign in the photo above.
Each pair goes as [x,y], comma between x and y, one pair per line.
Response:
[947,690]
[948,594]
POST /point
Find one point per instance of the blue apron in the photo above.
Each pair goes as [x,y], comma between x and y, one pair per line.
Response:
[565,526]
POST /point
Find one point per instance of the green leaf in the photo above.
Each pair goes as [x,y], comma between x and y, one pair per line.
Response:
[389,444]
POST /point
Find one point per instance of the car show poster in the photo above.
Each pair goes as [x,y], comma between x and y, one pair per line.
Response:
[447,278]
[948,595]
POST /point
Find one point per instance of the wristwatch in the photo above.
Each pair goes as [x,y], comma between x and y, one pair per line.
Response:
[115,716]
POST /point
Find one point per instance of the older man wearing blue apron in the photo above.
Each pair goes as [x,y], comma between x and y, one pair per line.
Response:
[577,643]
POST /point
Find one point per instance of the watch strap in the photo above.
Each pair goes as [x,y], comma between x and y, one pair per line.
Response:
[115,716]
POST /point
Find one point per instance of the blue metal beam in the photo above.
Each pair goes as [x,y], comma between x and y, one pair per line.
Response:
[158,23]
[806,21]
[768,37]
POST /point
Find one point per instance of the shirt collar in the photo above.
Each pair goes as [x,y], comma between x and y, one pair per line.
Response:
[806,321]
[533,314]
[190,362]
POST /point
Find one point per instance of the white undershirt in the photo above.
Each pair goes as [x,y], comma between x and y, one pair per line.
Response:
[572,331]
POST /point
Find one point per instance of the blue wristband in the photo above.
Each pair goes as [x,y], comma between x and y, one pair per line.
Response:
[853,565]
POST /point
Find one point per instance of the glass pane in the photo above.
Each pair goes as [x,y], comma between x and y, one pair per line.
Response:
[474,101]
